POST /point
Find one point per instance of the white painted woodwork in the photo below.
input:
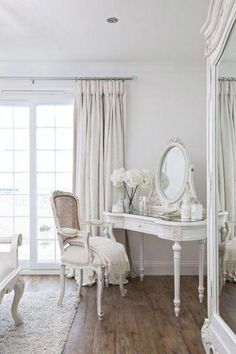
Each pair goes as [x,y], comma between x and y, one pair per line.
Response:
[177,249]
[217,337]
[141,254]
[100,285]
[177,232]
[201,270]
[10,275]
[78,240]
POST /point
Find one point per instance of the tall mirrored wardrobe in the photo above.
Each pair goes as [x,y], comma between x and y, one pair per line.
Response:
[226,183]
[219,329]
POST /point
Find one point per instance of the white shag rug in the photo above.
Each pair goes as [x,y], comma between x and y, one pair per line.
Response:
[46,326]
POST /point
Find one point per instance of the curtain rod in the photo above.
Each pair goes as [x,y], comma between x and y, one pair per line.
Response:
[227,78]
[67,78]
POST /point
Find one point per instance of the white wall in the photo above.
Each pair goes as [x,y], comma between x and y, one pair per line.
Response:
[164,102]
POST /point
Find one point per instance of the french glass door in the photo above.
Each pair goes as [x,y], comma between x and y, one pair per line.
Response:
[36,156]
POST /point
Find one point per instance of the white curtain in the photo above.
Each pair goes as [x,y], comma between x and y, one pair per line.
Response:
[99,143]
[227,148]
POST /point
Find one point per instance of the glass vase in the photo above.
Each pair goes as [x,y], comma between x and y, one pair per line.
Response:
[131,207]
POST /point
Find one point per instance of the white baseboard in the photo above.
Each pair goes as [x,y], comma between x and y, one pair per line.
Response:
[25,271]
[167,267]
[150,268]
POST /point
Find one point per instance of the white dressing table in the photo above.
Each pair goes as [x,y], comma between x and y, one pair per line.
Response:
[177,232]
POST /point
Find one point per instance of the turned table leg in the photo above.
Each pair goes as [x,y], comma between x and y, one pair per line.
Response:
[177,249]
[18,289]
[201,270]
[100,285]
[141,257]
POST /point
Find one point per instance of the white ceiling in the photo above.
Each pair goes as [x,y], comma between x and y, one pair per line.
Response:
[76,30]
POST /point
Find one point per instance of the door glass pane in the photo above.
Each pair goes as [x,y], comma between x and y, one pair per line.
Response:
[21,183]
[64,116]
[44,206]
[46,251]
[64,181]
[21,161]
[21,117]
[22,226]
[45,183]
[45,138]
[64,138]
[14,157]
[6,117]
[6,158]
[6,184]
[6,140]
[45,116]
[64,161]
[54,156]
[21,139]
[21,205]
[46,228]
[6,225]
[6,205]
[45,161]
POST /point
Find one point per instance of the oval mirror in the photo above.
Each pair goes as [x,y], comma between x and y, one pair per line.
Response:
[171,177]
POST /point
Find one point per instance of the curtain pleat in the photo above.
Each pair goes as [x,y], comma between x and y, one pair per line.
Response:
[227,148]
[99,143]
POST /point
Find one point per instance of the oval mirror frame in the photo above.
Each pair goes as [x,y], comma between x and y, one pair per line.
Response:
[158,186]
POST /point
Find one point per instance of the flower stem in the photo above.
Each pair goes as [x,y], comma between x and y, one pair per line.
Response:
[126,190]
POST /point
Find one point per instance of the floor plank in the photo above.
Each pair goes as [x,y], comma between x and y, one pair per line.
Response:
[141,323]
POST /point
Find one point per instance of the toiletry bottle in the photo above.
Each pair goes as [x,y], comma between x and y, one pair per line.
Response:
[186,205]
[144,205]
[196,210]
[140,205]
[185,210]
[126,205]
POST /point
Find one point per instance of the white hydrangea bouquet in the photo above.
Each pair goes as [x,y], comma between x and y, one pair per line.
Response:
[131,180]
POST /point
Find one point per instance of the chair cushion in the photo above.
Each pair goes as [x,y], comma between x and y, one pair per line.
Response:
[104,251]
[76,254]
[5,265]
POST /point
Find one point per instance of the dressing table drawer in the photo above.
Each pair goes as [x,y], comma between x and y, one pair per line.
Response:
[136,225]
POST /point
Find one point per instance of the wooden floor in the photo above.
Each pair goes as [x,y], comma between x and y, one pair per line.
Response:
[142,323]
[227,304]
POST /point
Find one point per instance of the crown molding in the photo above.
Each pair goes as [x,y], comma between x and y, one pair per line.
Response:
[215,26]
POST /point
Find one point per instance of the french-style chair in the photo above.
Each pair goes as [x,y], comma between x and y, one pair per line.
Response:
[10,274]
[101,254]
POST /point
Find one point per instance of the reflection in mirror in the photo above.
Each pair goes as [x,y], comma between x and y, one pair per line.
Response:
[173,172]
[226,157]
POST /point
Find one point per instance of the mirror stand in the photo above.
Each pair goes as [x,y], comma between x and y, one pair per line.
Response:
[191,182]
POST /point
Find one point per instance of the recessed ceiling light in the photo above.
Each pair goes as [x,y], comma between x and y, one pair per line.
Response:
[112,19]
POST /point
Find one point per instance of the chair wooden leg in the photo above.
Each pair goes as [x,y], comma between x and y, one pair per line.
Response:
[80,281]
[100,285]
[71,273]
[62,281]
[18,289]
[123,291]
[106,277]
